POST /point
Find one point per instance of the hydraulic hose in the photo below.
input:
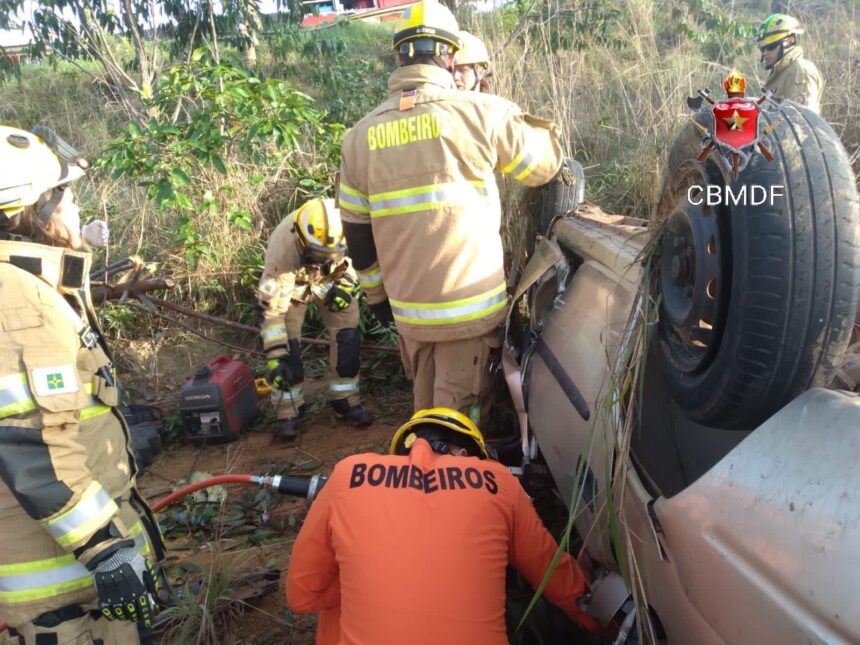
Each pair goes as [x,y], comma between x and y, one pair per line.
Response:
[308,488]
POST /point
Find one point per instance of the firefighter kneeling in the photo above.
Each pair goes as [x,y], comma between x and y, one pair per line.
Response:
[305,262]
[78,541]
[413,547]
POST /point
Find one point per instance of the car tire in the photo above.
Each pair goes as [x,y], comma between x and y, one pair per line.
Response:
[557,198]
[786,275]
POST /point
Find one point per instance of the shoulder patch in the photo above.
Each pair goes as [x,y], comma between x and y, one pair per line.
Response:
[59,379]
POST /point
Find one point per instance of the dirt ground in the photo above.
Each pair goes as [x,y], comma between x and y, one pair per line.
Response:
[156,371]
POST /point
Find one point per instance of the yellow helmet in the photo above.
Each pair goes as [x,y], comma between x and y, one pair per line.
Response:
[427,27]
[777,27]
[31,164]
[442,417]
[472,51]
[319,229]
[735,82]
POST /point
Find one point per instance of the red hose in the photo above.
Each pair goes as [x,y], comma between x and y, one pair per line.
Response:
[203,483]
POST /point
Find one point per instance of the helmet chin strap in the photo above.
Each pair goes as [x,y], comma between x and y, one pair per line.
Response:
[782,49]
[46,209]
[477,85]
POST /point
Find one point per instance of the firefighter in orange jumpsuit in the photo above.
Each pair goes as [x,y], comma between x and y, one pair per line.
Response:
[421,209]
[412,547]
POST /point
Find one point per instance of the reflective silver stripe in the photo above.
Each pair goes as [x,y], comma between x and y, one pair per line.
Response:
[519,171]
[321,291]
[74,570]
[449,313]
[28,581]
[274,332]
[294,394]
[344,386]
[91,512]
[353,199]
[15,395]
[465,194]
[370,279]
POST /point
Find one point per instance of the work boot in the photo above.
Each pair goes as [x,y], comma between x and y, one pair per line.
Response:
[355,414]
[287,429]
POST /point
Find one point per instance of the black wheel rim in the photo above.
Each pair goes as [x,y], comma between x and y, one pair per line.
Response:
[693,283]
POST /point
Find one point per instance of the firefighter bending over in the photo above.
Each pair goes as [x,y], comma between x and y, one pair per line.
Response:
[792,76]
[78,541]
[412,547]
[306,262]
[422,214]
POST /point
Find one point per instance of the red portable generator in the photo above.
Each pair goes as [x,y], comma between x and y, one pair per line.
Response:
[218,402]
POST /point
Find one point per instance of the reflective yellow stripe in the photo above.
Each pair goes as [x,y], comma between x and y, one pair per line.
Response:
[371,279]
[522,166]
[94,410]
[75,582]
[94,407]
[353,200]
[92,511]
[464,194]
[27,581]
[295,396]
[321,290]
[15,395]
[16,398]
[141,541]
[446,313]
[274,333]
[20,568]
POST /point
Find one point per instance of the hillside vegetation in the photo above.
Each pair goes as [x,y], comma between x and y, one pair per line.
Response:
[225,154]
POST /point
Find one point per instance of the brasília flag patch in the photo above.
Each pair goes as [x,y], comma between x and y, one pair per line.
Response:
[55,380]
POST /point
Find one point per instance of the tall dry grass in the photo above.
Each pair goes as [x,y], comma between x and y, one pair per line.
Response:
[614,75]
[620,103]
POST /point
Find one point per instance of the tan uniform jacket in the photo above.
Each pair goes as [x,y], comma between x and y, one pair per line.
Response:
[797,79]
[420,171]
[287,278]
[65,466]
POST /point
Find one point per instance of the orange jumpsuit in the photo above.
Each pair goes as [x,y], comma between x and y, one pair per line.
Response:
[414,550]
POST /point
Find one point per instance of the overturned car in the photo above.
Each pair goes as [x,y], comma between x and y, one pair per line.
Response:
[678,384]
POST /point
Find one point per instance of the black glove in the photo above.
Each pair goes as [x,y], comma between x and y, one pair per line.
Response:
[126,584]
[382,312]
[280,375]
[338,298]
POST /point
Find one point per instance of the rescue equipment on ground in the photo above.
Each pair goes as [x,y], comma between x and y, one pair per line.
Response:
[219,401]
[308,488]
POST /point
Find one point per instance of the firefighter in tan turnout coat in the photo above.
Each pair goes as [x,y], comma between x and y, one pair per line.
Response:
[421,209]
[78,541]
[792,76]
[306,262]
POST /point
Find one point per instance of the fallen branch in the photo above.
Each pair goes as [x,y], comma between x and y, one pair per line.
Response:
[149,306]
[100,293]
[255,330]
